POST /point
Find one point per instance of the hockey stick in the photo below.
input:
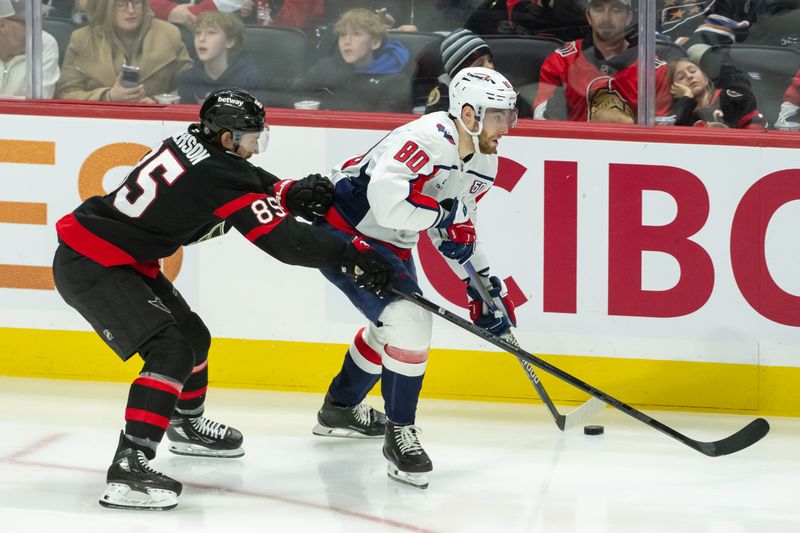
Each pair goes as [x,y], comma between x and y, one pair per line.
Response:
[747,436]
[578,415]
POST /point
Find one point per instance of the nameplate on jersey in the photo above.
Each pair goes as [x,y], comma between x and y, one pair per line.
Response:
[193,150]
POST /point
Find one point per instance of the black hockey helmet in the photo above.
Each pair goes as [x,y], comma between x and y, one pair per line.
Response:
[234,110]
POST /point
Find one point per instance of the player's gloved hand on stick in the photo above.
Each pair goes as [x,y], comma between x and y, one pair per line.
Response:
[457,230]
[497,323]
[308,197]
[370,270]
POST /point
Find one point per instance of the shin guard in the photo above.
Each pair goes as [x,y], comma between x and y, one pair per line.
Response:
[192,398]
[360,371]
[403,371]
[154,394]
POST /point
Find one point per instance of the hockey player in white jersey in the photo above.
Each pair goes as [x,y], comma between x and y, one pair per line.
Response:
[427,175]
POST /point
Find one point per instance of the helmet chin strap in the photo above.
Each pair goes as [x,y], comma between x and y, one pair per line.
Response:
[473,134]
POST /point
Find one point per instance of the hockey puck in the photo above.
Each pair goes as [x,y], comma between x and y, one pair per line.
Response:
[593,430]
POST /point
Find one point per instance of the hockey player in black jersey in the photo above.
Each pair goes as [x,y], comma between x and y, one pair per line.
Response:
[195,185]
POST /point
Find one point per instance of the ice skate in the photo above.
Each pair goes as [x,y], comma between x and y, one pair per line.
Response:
[408,462]
[202,437]
[133,484]
[356,422]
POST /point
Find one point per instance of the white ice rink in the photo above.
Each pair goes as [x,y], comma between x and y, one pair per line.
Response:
[497,468]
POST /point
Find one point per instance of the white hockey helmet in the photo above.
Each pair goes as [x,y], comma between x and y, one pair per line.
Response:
[482,88]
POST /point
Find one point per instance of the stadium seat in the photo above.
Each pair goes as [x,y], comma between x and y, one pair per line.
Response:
[781,28]
[187,36]
[417,42]
[425,64]
[61,30]
[769,69]
[282,53]
[669,51]
[520,58]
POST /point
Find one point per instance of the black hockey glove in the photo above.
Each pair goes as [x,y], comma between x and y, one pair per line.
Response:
[309,197]
[371,271]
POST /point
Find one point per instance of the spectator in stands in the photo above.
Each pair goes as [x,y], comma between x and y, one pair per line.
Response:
[604,53]
[366,73]
[222,61]
[122,32]
[13,60]
[185,12]
[726,22]
[697,102]
[301,14]
[460,49]
[409,15]
[562,19]
[789,116]
[678,19]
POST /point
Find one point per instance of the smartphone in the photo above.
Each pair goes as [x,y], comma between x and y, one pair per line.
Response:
[130,76]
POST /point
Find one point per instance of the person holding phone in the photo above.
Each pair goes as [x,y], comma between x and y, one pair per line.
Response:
[124,55]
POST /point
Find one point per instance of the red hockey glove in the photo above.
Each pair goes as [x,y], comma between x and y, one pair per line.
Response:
[499,322]
[457,230]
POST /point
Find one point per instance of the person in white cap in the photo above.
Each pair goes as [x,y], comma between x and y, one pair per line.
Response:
[13,59]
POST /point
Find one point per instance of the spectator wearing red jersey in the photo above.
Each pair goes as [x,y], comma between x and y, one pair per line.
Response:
[184,13]
[300,14]
[606,53]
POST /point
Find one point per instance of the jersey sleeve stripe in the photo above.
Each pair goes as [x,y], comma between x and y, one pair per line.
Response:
[87,243]
[260,231]
[226,210]
[415,196]
[335,219]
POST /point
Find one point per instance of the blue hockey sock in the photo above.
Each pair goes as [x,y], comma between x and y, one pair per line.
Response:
[401,394]
[351,384]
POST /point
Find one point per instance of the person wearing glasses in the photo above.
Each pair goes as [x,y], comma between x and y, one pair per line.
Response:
[122,32]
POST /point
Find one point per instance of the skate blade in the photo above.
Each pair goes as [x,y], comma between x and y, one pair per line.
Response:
[416,480]
[195,450]
[121,496]
[325,431]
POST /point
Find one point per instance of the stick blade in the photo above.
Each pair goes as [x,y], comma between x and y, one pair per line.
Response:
[582,413]
[747,436]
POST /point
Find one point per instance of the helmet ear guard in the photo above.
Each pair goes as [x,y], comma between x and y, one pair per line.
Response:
[482,89]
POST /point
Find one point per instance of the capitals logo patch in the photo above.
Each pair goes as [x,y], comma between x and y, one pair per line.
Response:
[446,133]
[477,186]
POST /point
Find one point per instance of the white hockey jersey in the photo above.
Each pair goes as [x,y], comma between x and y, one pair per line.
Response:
[392,192]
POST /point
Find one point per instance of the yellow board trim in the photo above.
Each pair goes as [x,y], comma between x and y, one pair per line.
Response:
[452,374]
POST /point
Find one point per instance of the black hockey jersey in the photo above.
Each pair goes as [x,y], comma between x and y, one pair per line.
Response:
[184,191]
